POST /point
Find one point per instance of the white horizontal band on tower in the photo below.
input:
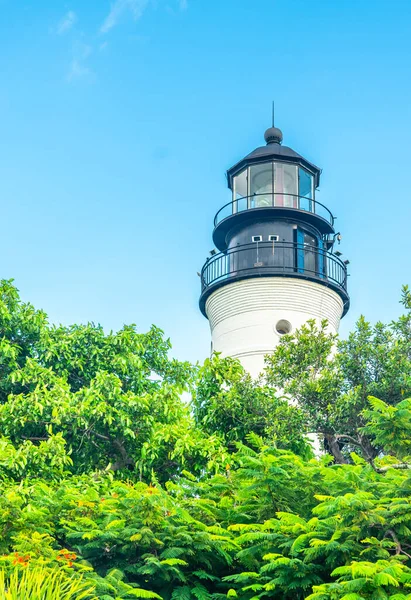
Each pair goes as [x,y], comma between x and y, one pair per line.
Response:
[243,315]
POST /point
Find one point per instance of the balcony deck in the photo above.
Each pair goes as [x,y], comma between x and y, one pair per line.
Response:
[274,259]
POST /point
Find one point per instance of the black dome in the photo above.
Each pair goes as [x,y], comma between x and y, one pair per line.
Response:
[273,135]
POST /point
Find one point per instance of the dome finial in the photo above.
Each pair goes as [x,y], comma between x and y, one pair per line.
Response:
[273,135]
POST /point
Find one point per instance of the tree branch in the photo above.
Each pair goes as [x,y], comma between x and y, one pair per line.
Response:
[343,436]
[398,548]
[398,466]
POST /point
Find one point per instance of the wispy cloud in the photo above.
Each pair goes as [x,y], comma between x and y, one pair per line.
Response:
[135,7]
[78,68]
[67,22]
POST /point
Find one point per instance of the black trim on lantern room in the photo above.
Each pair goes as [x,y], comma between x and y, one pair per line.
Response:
[222,231]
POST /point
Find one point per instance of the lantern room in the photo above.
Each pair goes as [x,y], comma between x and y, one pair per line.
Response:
[273,183]
[272,177]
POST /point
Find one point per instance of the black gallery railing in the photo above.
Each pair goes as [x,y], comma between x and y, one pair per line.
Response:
[274,258]
[273,200]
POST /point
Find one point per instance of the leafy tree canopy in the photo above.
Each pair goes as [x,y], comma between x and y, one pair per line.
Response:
[332,380]
[114,485]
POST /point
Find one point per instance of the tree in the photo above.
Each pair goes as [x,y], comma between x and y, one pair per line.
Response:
[228,402]
[98,401]
[331,380]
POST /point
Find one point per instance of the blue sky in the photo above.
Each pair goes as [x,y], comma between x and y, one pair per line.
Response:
[119,120]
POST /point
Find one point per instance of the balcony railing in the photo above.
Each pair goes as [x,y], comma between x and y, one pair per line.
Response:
[274,200]
[275,258]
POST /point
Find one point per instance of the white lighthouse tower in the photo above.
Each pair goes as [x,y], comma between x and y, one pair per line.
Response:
[276,267]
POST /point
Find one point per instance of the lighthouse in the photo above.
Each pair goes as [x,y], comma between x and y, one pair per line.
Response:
[275,265]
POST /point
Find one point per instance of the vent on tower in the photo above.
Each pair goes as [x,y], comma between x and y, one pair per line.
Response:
[283,327]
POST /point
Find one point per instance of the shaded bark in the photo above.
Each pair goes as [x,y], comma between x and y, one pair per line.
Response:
[333,445]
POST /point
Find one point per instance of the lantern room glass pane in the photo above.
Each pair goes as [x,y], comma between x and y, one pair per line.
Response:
[261,185]
[285,185]
[240,192]
[305,181]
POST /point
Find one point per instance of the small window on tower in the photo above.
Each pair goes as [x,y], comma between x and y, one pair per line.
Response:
[257,238]
[273,238]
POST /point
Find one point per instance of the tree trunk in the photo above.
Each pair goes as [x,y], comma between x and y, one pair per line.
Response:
[334,448]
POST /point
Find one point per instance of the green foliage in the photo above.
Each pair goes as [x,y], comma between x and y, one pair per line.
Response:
[111,481]
[74,399]
[383,579]
[332,380]
[43,584]
[390,426]
[226,400]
